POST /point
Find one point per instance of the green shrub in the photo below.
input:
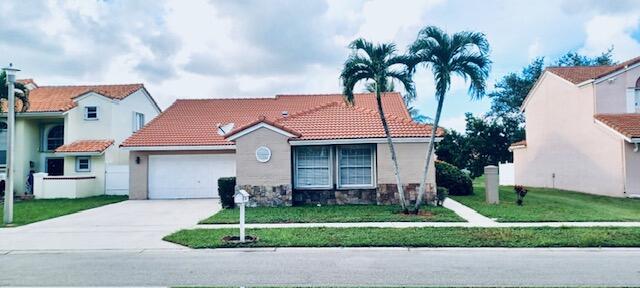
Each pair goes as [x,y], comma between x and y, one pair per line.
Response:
[441,195]
[226,189]
[450,177]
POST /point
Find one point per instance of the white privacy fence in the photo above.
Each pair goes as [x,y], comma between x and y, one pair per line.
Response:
[117,180]
[507,174]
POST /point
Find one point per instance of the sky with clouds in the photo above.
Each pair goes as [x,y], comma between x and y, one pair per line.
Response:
[255,48]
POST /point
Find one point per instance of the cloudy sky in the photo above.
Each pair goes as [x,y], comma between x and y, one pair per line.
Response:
[210,49]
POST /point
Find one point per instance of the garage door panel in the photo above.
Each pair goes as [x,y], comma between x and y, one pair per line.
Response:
[188,176]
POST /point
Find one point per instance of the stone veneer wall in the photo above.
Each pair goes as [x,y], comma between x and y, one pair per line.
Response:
[280,195]
[333,197]
[388,193]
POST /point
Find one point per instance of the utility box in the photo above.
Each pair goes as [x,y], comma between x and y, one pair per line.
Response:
[491,184]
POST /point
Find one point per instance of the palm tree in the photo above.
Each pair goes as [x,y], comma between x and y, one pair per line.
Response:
[378,64]
[465,54]
[23,97]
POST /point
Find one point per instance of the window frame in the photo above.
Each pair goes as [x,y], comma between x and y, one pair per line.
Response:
[330,168]
[78,159]
[86,113]
[374,165]
[46,137]
[136,125]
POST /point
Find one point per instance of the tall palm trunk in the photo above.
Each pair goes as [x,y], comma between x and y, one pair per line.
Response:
[396,169]
[432,144]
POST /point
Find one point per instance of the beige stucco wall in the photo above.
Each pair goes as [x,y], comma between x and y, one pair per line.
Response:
[611,95]
[410,160]
[26,149]
[97,170]
[275,172]
[563,139]
[632,167]
[139,173]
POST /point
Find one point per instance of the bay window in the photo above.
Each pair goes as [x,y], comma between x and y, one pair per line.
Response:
[312,167]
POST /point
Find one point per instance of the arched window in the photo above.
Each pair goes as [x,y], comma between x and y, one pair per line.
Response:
[638,84]
[55,137]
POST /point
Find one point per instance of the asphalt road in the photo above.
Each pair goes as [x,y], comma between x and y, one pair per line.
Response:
[393,266]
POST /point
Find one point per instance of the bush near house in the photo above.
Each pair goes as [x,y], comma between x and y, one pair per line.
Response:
[457,182]
[226,189]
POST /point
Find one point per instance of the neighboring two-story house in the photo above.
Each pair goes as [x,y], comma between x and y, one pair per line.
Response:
[583,131]
[72,133]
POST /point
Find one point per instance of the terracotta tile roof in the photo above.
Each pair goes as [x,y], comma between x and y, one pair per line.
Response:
[579,74]
[195,122]
[27,82]
[626,124]
[60,98]
[85,146]
[339,121]
[519,143]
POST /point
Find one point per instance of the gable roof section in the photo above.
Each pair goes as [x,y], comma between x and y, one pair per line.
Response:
[579,74]
[61,98]
[85,146]
[627,125]
[194,122]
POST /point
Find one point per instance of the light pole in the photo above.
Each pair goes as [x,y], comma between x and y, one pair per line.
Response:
[11,132]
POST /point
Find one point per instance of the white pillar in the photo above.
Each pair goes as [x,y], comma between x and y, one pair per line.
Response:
[11,132]
[491,184]
[242,222]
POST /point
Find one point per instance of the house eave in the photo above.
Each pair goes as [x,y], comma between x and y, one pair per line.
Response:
[179,147]
[79,153]
[362,141]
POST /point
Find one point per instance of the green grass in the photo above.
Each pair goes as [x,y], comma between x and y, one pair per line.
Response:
[331,213]
[553,205]
[29,211]
[416,237]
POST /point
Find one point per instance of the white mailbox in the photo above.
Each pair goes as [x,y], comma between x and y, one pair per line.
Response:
[241,197]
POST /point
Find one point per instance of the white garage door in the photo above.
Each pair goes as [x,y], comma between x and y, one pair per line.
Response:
[188,176]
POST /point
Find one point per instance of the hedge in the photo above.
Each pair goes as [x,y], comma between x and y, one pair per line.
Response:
[226,189]
[450,177]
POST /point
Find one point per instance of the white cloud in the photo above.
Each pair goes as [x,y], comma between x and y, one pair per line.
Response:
[606,31]
[457,123]
[212,48]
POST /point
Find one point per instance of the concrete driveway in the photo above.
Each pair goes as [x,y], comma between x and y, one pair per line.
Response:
[130,224]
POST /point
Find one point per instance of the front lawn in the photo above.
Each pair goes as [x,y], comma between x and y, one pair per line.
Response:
[416,237]
[29,211]
[331,213]
[553,205]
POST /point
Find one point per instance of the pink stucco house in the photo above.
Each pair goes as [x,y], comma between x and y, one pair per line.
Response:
[583,131]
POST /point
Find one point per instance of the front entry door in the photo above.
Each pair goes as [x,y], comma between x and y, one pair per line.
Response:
[55,166]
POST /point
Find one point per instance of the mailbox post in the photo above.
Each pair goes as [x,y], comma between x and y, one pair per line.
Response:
[241,198]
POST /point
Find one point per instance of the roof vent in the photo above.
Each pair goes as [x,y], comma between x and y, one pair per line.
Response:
[285,113]
[224,128]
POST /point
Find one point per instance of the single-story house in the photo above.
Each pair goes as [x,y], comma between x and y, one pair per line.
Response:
[284,150]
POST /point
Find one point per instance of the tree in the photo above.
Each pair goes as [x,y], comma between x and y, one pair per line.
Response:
[572,58]
[23,97]
[380,65]
[465,54]
[413,111]
[453,149]
[486,144]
